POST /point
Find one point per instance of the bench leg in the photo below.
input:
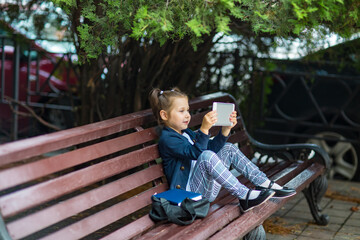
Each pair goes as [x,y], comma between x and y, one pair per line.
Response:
[257,233]
[314,193]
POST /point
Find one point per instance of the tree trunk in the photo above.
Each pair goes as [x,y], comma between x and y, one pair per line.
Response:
[134,72]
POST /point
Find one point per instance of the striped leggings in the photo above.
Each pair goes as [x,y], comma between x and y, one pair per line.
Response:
[211,172]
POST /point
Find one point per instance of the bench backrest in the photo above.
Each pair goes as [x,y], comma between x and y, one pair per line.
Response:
[75,182]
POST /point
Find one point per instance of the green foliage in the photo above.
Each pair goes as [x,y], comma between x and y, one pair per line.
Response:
[222,23]
[101,24]
[107,20]
[198,27]
[65,3]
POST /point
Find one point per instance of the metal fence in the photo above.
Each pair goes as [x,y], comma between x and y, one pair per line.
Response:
[305,100]
[32,79]
[316,107]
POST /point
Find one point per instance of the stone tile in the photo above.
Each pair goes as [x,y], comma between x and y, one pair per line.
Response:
[350,229]
[346,188]
[338,206]
[300,214]
[293,225]
[308,238]
[337,220]
[325,202]
[299,224]
[288,206]
[293,202]
[293,221]
[301,208]
[280,237]
[352,222]
[355,215]
[331,227]
[316,233]
[341,205]
[346,236]
[281,212]
[344,224]
[303,202]
[338,213]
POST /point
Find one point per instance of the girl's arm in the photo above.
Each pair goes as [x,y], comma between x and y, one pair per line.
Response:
[177,146]
[208,121]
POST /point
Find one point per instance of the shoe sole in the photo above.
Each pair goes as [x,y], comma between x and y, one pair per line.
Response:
[270,196]
[285,196]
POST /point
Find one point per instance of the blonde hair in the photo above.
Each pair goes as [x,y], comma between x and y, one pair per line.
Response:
[162,100]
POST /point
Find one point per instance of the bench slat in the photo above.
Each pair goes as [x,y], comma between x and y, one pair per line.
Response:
[226,210]
[101,219]
[23,149]
[167,229]
[240,227]
[206,227]
[132,229]
[224,199]
[43,167]
[18,201]
[44,218]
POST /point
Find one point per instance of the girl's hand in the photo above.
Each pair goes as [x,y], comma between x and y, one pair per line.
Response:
[208,121]
[226,129]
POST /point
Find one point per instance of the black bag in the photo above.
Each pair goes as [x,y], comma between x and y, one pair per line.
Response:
[185,214]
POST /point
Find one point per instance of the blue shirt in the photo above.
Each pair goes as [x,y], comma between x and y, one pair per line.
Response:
[177,153]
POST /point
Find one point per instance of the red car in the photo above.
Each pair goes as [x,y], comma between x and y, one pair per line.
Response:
[44,80]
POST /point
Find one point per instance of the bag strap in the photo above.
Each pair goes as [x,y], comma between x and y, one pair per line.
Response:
[185,206]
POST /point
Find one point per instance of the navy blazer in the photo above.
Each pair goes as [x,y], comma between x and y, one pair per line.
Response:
[177,153]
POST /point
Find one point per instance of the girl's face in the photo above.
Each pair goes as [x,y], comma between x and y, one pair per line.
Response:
[178,117]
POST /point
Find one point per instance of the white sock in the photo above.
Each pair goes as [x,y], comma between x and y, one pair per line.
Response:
[254,194]
[274,186]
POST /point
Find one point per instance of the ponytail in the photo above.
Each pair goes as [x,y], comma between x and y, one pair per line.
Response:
[162,100]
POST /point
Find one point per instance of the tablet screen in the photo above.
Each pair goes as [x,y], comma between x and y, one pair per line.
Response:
[224,111]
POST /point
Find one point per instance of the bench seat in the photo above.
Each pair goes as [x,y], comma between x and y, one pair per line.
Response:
[95,182]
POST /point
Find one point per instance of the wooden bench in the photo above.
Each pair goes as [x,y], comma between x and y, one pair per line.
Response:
[95,182]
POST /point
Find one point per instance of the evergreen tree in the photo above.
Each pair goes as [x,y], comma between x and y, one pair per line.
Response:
[127,47]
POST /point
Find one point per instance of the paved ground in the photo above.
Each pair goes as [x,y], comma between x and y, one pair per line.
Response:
[294,220]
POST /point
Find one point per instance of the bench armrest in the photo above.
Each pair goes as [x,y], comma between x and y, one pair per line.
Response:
[291,152]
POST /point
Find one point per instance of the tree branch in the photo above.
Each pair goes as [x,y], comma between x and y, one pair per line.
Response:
[30,114]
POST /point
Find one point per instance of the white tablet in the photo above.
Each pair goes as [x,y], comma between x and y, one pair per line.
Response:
[224,111]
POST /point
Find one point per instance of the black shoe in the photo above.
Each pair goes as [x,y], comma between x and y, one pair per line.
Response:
[246,205]
[279,193]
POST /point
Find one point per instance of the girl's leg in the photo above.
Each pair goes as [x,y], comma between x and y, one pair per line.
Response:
[231,155]
[210,174]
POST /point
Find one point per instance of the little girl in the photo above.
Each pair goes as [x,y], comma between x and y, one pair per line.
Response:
[195,163]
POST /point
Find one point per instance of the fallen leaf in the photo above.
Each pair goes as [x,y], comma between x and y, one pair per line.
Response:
[354,209]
